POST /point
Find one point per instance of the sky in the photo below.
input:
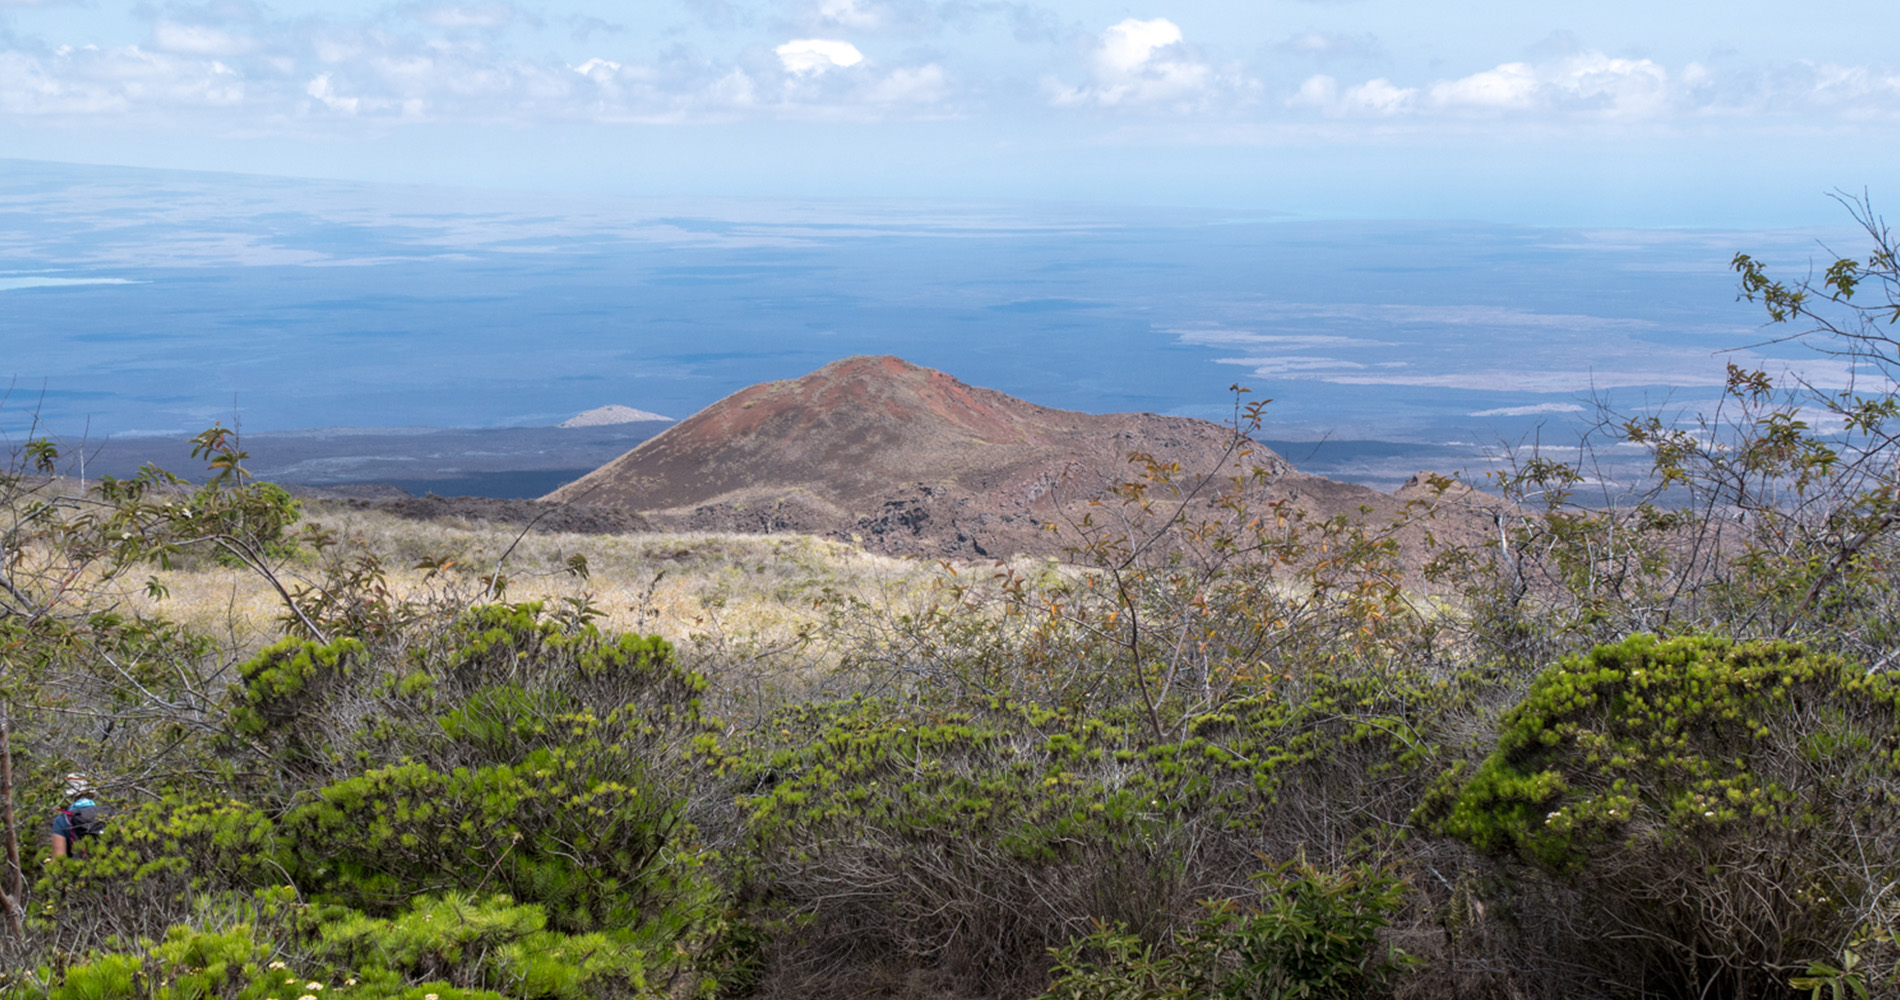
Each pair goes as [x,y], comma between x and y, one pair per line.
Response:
[1618,112]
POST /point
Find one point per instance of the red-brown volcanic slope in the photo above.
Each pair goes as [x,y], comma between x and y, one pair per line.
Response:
[909,460]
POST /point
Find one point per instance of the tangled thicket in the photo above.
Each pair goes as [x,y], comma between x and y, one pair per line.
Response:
[1647,747]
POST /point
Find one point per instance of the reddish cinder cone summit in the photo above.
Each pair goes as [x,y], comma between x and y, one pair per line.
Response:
[909,460]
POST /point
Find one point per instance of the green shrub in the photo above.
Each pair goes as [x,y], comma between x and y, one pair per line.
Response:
[493,944]
[517,644]
[153,860]
[1314,937]
[287,681]
[1732,807]
[974,842]
[257,515]
[439,947]
[574,830]
[270,947]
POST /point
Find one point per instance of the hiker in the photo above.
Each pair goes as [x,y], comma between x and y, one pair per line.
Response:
[82,819]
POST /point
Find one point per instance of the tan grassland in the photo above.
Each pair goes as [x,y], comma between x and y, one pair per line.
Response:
[737,598]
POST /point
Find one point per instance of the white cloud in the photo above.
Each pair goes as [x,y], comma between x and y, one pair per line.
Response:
[1317,91]
[1512,86]
[281,75]
[1374,98]
[1588,84]
[321,89]
[332,47]
[1139,62]
[813,56]
[1377,97]
[735,89]
[91,80]
[1854,91]
[477,61]
[1129,46]
[14,284]
[1597,82]
[1586,81]
[598,69]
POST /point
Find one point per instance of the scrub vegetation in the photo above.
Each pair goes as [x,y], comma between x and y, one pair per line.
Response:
[1647,748]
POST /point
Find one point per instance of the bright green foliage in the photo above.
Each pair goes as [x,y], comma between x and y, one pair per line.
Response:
[287,680]
[533,760]
[492,641]
[221,954]
[1653,739]
[158,855]
[508,758]
[503,722]
[1315,934]
[1314,937]
[595,852]
[491,943]
[1735,799]
[111,977]
[454,948]
[506,680]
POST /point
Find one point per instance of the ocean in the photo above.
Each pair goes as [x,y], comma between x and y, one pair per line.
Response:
[138,303]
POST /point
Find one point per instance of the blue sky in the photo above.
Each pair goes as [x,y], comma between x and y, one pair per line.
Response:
[1627,113]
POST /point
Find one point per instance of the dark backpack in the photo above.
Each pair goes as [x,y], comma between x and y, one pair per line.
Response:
[85,821]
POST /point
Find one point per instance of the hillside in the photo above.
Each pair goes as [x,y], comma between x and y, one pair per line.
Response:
[909,460]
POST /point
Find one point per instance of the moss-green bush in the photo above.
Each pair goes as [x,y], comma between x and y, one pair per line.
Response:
[286,681]
[506,754]
[438,948]
[1738,803]
[152,862]
[975,841]
[555,830]
[494,943]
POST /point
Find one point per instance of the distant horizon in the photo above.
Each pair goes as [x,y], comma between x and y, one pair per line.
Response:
[1617,113]
[140,302]
[1795,203]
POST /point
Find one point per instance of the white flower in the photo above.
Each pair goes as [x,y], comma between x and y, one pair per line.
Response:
[313,987]
[276,965]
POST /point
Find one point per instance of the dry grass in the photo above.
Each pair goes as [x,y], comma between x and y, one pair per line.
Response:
[747,603]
